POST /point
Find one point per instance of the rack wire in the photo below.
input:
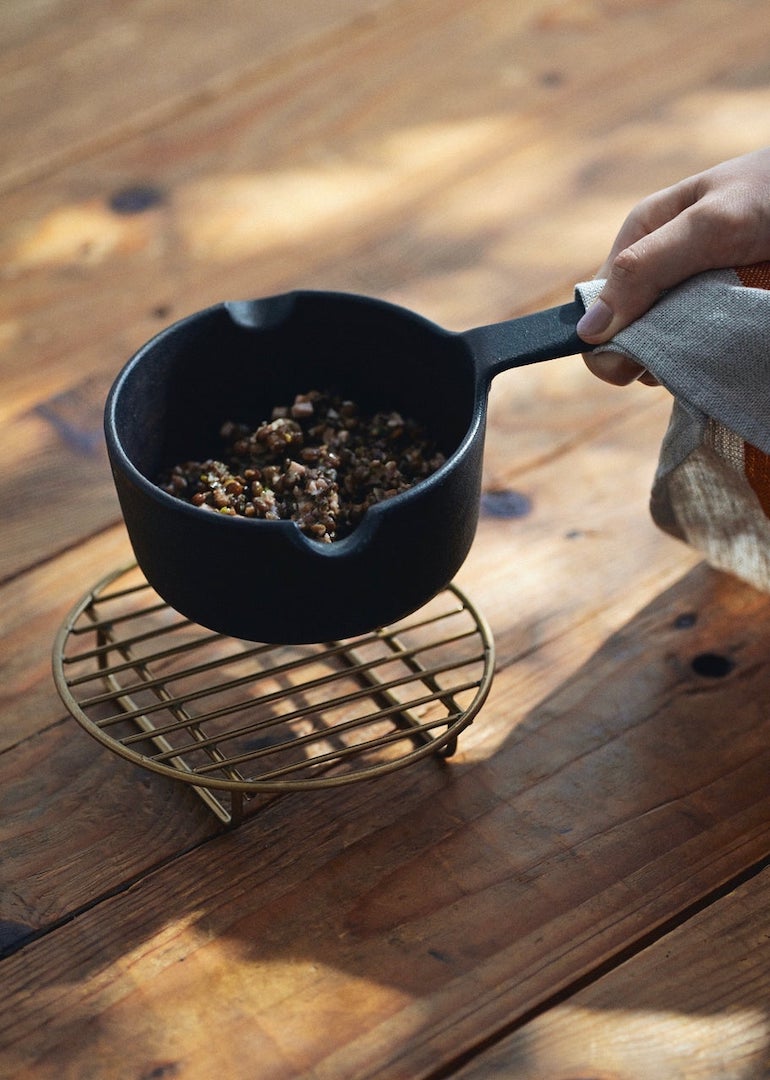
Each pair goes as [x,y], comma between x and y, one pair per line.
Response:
[238,718]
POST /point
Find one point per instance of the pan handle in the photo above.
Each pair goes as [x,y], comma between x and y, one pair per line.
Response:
[529,339]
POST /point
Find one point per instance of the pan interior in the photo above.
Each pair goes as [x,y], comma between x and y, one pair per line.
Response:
[174,398]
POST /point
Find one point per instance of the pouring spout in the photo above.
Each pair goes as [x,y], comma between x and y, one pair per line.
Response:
[543,335]
[261,314]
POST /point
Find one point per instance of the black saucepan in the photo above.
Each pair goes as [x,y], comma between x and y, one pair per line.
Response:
[264,580]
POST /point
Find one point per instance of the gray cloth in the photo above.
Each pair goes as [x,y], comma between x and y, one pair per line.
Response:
[708,342]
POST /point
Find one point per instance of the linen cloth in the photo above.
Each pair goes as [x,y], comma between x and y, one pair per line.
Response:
[708,343]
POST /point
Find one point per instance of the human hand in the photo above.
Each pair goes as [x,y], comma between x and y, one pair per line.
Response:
[716,219]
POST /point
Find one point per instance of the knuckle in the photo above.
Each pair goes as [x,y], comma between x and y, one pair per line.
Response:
[728,227]
[627,264]
[632,284]
[721,220]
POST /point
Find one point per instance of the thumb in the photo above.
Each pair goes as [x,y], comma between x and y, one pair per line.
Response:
[629,291]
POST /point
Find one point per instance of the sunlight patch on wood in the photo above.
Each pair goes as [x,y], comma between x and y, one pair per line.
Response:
[640,1042]
[223,217]
[81,233]
[10,331]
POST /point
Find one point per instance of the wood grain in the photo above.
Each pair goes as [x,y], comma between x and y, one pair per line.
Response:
[470,161]
[691,1005]
[491,208]
[448,901]
[34,606]
[84,76]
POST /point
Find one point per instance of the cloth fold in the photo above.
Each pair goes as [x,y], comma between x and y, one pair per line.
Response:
[708,343]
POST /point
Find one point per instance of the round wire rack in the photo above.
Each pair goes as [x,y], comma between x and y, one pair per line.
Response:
[238,718]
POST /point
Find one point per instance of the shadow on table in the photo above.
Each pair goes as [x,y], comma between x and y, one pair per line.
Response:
[457,895]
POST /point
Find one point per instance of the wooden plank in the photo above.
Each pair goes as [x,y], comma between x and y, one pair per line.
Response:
[542,611]
[78,76]
[430,909]
[61,477]
[395,191]
[547,603]
[418,874]
[279,171]
[64,804]
[34,606]
[694,1004]
[388,928]
[60,801]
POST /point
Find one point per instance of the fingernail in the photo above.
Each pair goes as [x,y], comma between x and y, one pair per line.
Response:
[595,321]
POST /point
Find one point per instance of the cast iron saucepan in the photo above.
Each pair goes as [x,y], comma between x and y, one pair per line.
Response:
[264,580]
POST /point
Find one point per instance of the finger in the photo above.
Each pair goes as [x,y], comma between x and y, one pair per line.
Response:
[648,379]
[640,273]
[614,368]
[647,226]
[651,214]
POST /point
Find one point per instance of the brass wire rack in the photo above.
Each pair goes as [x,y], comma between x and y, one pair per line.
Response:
[237,718]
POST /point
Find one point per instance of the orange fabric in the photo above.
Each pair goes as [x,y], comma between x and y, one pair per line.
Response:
[756,465]
[756,276]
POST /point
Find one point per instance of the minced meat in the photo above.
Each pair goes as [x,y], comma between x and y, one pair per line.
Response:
[320,462]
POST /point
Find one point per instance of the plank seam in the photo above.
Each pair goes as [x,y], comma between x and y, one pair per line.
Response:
[628,952]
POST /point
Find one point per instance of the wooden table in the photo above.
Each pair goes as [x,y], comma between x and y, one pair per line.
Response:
[582,890]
